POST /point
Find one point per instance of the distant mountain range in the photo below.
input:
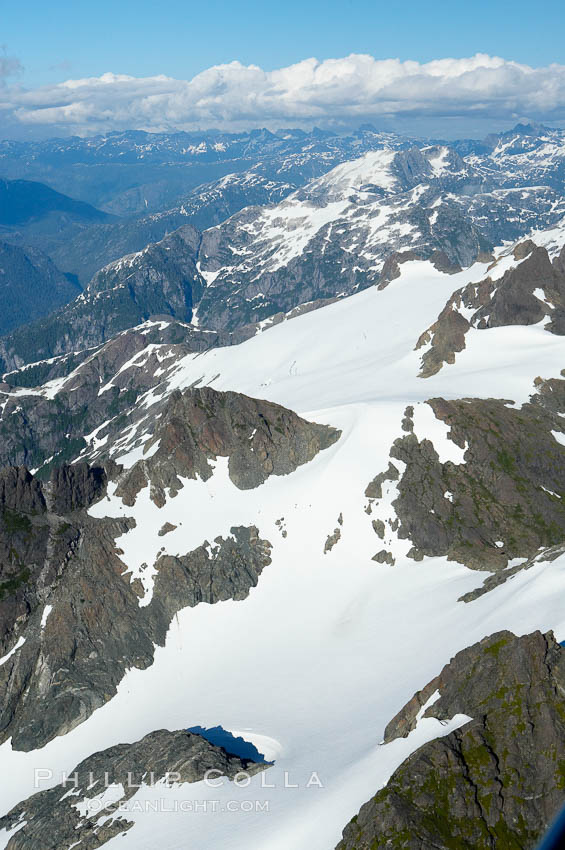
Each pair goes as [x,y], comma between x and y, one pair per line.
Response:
[135,172]
[23,202]
[263,247]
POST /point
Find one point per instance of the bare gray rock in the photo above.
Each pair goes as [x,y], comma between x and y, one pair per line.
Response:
[68,813]
[503,501]
[198,425]
[64,558]
[497,781]
[499,303]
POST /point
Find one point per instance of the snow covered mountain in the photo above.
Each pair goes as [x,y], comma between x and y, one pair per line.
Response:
[135,172]
[528,155]
[287,537]
[373,192]
[282,498]
[335,236]
[203,207]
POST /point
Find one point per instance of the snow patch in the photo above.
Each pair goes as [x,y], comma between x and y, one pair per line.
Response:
[427,426]
[14,649]
[45,616]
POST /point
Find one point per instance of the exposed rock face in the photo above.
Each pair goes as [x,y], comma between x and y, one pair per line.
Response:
[496,782]
[331,540]
[20,491]
[446,338]
[161,280]
[75,603]
[226,569]
[75,487]
[514,302]
[24,538]
[72,663]
[45,430]
[37,536]
[70,813]
[335,537]
[200,424]
[533,290]
[503,501]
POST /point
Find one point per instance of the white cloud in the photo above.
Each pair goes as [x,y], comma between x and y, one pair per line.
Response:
[330,93]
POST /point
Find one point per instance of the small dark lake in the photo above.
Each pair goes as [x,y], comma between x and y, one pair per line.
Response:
[220,737]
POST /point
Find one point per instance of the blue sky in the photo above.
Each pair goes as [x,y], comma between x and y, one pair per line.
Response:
[62,39]
[419,67]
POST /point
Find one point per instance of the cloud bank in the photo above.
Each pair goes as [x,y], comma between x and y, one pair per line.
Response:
[335,92]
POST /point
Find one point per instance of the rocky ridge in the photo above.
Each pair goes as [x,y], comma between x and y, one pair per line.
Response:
[259,438]
[532,290]
[502,500]
[75,616]
[91,807]
[499,780]
[205,206]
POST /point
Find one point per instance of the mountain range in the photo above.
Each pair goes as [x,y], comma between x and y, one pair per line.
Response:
[282,495]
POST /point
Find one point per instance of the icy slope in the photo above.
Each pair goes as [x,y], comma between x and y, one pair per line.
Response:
[328,646]
[362,350]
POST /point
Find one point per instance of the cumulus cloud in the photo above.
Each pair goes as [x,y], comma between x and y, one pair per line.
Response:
[330,93]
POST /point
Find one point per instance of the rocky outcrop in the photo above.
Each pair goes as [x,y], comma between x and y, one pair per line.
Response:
[84,618]
[496,782]
[532,290]
[225,569]
[25,533]
[73,659]
[20,491]
[75,487]
[334,538]
[391,266]
[90,808]
[38,531]
[503,501]
[199,425]
[160,280]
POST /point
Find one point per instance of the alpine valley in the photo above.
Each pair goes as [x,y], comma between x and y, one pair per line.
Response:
[282,491]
